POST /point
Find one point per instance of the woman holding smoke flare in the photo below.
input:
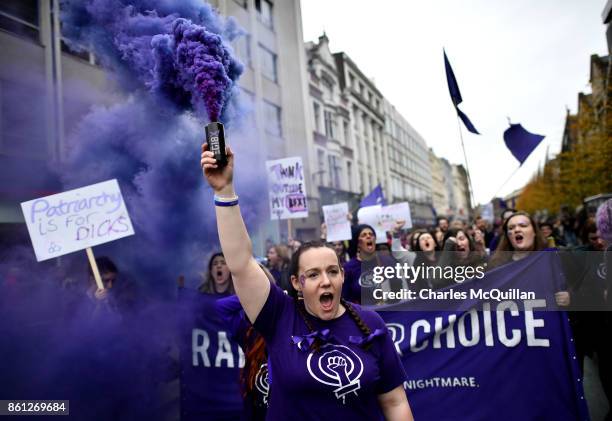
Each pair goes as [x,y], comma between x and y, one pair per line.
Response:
[329,359]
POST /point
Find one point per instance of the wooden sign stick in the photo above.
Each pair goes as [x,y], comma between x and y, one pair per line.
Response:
[94,267]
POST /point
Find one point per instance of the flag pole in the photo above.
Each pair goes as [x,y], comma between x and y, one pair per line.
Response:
[467,167]
[508,179]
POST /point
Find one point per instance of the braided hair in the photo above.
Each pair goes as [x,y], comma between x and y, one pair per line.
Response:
[294,270]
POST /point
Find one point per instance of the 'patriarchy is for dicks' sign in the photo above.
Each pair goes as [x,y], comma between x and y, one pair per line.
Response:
[286,188]
[76,219]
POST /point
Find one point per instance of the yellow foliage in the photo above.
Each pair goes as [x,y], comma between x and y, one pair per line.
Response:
[585,169]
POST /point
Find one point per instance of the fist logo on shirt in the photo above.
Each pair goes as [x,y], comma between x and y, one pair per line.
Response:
[337,366]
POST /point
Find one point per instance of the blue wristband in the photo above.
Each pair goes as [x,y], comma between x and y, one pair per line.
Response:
[226,201]
[224,204]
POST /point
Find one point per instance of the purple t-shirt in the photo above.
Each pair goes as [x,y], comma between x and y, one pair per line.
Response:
[358,274]
[342,380]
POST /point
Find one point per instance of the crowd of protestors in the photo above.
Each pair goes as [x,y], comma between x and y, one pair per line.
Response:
[451,243]
[512,237]
[239,281]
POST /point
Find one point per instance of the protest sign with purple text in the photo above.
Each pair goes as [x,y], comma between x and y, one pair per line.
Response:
[76,219]
[287,190]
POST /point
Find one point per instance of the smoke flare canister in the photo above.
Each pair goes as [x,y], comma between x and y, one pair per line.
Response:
[215,138]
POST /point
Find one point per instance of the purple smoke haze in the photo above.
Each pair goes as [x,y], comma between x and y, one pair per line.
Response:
[177,49]
[170,59]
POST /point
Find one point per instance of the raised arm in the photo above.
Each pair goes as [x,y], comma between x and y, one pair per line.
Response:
[399,252]
[250,282]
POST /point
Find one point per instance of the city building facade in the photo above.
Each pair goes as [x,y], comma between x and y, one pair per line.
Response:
[332,140]
[409,166]
[367,119]
[440,193]
[461,191]
[275,83]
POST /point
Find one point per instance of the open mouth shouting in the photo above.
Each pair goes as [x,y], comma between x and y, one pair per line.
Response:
[370,246]
[519,239]
[326,300]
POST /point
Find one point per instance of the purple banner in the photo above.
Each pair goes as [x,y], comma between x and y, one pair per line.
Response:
[509,361]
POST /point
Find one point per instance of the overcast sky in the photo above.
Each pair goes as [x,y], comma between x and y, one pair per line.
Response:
[523,59]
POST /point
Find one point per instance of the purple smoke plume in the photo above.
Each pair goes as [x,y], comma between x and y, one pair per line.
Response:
[183,57]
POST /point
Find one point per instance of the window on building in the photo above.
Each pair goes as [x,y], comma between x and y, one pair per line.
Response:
[268,63]
[334,171]
[272,114]
[347,135]
[22,123]
[242,45]
[248,98]
[20,17]
[328,90]
[349,175]
[351,81]
[264,12]
[316,109]
[329,124]
[242,3]
[321,164]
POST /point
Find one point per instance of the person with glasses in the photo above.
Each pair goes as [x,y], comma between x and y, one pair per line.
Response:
[329,359]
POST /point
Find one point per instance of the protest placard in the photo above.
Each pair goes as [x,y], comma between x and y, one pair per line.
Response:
[390,214]
[487,213]
[371,215]
[76,219]
[338,226]
[287,191]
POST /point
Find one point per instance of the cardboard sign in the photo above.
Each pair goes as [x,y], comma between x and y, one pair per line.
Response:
[286,188]
[382,218]
[76,219]
[390,214]
[338,227]
[371,215]
[487,213]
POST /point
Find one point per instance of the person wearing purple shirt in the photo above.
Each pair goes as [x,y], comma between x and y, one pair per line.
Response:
[358,272]
[329,359]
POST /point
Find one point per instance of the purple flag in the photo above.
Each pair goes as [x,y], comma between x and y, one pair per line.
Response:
[455,94]
[521,142]
[375,197]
